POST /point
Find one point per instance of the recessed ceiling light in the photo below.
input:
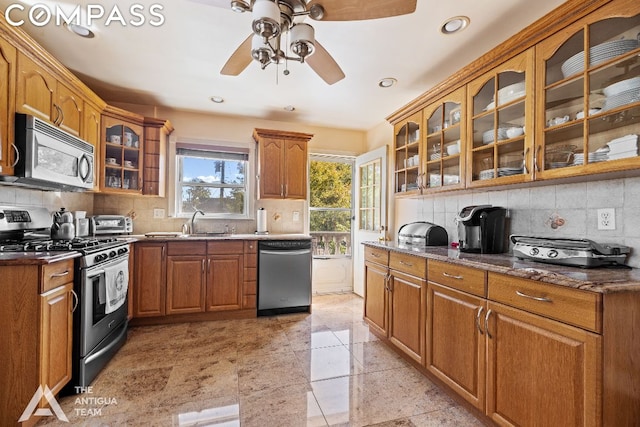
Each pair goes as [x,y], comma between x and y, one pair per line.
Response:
[80,30]
[387,82]
[217,99]
[455,25]
[289,108]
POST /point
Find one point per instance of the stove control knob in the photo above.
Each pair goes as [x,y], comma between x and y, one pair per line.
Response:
[534,251]
[112,254]
[123,251]
[552,253]
[100,257]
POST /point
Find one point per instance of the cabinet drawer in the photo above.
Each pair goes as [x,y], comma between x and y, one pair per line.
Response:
[250,260]
[56,274]
[409,264]
[250,273]
[573,306]
[377,255]
[186,248]
[250,247]
[459,277]
[225,247]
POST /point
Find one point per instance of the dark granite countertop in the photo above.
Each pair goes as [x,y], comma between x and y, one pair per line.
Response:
[602,280]
[208,237]
[35,258]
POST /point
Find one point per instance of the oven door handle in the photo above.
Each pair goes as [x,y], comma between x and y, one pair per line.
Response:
[96,273]
[112,344]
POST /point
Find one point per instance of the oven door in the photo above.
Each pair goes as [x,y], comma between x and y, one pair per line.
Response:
[95,322]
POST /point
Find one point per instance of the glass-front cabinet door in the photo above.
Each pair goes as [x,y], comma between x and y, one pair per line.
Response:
[500,104]
[589,81]
[407,154]
[443,162]
[122,154]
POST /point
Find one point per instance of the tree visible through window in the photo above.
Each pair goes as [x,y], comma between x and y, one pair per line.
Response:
[330,199]
[212,181]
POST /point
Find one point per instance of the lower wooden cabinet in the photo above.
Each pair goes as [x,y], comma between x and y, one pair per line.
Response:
[375,301]
[521,351]
[186,284]
[407,308]
[36,311]
[193,276]
[224,282]
[56,339]
[459,362]
[150,279]
[541,371]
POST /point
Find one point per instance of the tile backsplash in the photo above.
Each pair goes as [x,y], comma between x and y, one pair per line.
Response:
[52,200]
[534,210]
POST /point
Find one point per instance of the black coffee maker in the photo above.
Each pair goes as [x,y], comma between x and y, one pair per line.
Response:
[482,229]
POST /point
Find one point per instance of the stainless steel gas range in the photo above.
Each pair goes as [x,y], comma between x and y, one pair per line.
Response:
[101,283]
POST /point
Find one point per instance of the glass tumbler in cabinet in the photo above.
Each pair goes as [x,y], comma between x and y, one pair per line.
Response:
[591,109]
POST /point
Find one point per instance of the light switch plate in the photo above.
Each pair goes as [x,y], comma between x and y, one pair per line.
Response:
[296,216]
[158,213]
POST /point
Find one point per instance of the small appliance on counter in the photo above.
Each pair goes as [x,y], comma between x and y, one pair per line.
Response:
[111,224]
[482,229]
[62,227]
[421,233]
[573,252]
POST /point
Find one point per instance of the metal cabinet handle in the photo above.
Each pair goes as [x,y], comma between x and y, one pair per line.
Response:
[408,264]
[480,310]
[17,159]
[163,249]
[375,255]
[286,190]
[486,323]
[535,159]
[451,276]
[75,301]
[524,162]
[64,273]
[541,299]
[387,278]
[281,190]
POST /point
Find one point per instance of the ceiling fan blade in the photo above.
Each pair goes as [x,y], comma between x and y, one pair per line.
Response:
[240,59]
[324,65]
[358,10]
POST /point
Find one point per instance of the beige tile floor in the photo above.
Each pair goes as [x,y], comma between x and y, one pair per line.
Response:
[317,369]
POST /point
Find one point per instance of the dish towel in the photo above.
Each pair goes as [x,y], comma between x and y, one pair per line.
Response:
[117,284]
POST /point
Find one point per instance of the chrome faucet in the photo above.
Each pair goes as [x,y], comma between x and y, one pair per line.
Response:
[193,219]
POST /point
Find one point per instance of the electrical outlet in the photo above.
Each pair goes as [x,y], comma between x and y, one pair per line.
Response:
[158,213]
[296,216]
[606,219]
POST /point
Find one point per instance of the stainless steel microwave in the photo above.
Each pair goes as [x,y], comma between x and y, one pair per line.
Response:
[50,158]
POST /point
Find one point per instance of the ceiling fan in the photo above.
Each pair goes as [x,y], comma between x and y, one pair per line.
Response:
[275,19]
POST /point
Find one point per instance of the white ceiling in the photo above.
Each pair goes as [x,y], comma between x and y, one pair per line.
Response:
[177,65]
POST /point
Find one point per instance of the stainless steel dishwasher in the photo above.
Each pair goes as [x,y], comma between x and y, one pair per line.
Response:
[284,276]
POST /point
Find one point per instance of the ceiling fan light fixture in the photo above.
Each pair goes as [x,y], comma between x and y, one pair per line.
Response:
[302,40]
[266,19]
[260,51]
[240,6]
[387,82]
[455,25]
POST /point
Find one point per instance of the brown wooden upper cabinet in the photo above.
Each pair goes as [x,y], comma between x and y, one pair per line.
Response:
[500,108]
[8,59]
[156,135]
[588,84]
[443,158]
[122,155]
[283,163]
[40,94]
[407,154]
